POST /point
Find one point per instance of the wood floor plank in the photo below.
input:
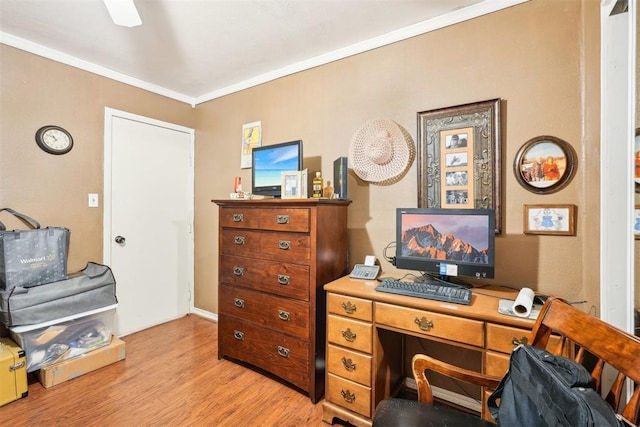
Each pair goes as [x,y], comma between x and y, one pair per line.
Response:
[170,377]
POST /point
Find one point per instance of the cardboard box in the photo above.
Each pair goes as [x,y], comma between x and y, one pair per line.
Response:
[73,368]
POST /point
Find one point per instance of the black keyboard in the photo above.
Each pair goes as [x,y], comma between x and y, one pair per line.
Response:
[427,291]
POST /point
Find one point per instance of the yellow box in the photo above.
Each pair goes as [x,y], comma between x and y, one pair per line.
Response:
[73,368]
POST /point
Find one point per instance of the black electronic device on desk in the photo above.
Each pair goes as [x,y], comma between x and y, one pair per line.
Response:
[445,293]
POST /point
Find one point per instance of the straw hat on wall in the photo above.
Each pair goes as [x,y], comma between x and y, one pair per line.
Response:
[381,152]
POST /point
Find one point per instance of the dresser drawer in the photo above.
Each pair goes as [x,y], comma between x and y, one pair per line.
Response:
[453,328]
[281,314]
[284,279]
[350,307]
[496,364]
[280,354]
[283,219]
[349,395]
[286,246]
[349,364]
[239,217]
[505,338]
[349,333]
[240,242]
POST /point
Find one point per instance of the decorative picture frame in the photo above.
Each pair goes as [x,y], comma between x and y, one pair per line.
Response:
[294,184]
[557,219]
[459,157]
[251,138]
[636,151]
[636,222]
[545,164]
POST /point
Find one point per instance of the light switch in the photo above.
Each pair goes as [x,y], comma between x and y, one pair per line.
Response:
[93,200]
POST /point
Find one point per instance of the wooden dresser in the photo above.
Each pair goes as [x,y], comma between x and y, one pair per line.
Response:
[275,256]
[366,333]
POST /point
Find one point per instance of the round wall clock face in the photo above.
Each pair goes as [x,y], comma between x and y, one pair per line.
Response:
[54,139]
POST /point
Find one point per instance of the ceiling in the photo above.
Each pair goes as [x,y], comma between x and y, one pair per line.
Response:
[197,50]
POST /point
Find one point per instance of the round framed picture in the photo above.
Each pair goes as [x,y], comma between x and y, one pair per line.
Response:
[636,151]
[545,164]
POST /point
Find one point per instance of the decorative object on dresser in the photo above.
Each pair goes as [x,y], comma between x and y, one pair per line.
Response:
[275,256]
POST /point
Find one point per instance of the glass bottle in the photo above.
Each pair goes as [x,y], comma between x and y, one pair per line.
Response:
[317,185]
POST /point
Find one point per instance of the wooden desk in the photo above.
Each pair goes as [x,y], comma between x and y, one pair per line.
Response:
[365,341]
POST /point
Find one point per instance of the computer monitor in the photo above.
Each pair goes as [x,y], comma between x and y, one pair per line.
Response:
[268,162]
[441,243]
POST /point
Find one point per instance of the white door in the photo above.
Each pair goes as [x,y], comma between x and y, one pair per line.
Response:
[148,217]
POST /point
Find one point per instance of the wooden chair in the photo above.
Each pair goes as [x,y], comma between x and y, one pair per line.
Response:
[607,344]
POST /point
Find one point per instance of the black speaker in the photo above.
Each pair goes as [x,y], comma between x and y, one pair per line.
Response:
[340,169]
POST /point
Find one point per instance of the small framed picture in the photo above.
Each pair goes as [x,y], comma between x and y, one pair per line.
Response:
[636,222]
[294,184]
[550,219]
[545,164]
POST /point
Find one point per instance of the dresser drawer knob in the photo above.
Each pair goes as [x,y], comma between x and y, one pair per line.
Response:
[283,351]
[238,217]
[348,335]
[424,324]
[238,240]
[284,244]
[516,342]
[348,364]
[349,307]
[282,219]
[283,279]
[238,302]
[284,315]
[238,335]
[238,271]
[348,396]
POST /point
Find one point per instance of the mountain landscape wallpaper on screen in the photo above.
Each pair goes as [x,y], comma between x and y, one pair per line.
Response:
[425,241]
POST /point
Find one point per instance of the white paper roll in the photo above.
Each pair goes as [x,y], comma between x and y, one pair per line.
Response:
[523,303]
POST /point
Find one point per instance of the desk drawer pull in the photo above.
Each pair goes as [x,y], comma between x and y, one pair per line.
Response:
[516,342]
[424,324]
[348,364]
[348,396]
[238,335]
[238,217]
[238,302]
[348,335]
[238,240]
[284,315]
[282,219]
[285,245]
[283,351]
[349,307]
[283,279]
[238,271]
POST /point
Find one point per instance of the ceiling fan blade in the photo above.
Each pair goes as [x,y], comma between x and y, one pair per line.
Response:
[123,12]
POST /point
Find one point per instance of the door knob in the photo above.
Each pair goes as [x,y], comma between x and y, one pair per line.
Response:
[120,240]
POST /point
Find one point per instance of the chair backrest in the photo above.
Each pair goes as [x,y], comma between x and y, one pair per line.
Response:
[583,334]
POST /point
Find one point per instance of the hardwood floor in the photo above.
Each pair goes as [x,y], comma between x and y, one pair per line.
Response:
[170,377]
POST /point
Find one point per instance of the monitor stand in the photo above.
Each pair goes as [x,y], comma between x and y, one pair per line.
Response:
[439,280]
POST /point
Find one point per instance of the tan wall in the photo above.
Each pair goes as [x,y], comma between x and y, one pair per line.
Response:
[545,70]
[53,189]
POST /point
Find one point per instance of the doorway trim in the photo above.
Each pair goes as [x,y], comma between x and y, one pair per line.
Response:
[109,114]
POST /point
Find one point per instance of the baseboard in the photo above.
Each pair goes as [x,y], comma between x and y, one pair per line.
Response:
[204,313]
[449,396]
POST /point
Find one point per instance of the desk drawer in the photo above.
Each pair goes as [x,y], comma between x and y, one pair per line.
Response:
[277,313]
[350,307]
[349,333]
[237,217]
[452,328]
[505,338]
[349,364]
[280,354]
[284,279]
[281,219]
[496,364]
[349,395]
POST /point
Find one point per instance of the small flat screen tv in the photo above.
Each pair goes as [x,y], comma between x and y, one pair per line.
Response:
[269,161]
[441,243]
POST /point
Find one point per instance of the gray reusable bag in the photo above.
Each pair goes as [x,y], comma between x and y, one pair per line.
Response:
[32,257]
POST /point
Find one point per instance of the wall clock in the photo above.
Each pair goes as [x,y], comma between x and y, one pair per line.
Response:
[54,139]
